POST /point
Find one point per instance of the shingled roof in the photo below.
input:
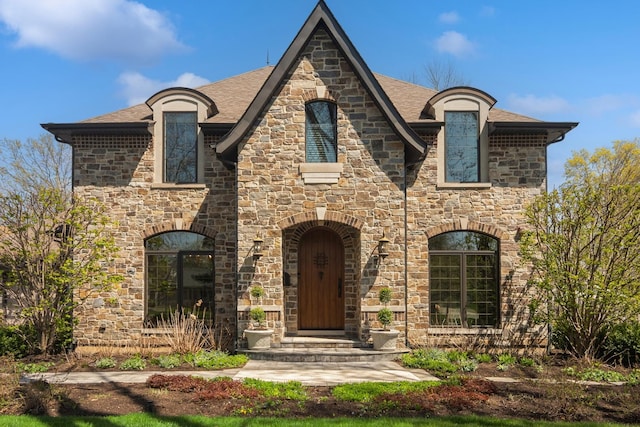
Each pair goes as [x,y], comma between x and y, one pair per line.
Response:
[240,99]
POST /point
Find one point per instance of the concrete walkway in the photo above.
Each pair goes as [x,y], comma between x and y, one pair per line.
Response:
[311,374]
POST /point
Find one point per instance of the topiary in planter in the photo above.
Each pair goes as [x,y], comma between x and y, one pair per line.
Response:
[258,315]
[385,316]
[257,292]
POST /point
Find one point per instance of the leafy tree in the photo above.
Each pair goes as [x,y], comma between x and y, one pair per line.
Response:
[40,162]
[584,244]
[55,250]
[56,254]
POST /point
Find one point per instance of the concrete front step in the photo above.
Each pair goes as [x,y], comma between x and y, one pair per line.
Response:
[322,349]
[323,354]
[320,342]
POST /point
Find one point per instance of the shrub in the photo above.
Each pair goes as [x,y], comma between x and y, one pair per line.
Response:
[17,341]
[432,360]
[134,363]
[483,358]
[527,362]
[385,316]
[215,360]
[623,343]
[105,363]
[34,368]
[257,292]
[505,361]
[258,315]
[168,361]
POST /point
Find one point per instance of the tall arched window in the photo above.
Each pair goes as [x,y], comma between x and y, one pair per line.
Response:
[463,285]
[179,274]
[321,132]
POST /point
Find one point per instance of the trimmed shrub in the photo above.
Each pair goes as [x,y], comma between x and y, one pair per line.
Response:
[622,344]
[17,341]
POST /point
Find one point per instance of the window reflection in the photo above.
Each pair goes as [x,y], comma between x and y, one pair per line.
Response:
[321,133]
[180,147]
[180,274]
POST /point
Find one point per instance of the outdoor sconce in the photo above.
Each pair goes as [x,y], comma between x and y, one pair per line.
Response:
[257,248]
[382,248]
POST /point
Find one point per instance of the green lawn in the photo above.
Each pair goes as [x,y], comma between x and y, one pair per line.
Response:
[148,420]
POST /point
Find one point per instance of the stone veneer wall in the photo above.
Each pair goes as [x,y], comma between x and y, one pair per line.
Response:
[517,171]
[274,202]
[119,172]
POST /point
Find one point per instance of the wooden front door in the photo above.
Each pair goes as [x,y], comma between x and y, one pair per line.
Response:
[321,284]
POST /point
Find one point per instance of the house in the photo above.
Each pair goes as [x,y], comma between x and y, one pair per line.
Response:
[322,182]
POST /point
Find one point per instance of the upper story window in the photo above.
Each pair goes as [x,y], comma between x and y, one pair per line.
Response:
[178,160]
[180,147]
[321,132]
[462,150]
[463,145]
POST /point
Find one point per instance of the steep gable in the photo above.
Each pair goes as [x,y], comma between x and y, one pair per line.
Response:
[321,19]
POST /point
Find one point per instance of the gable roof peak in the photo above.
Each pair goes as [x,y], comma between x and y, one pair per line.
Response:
[321,16]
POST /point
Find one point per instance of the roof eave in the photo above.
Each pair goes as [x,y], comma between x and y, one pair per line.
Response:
[64,132]
[555,131]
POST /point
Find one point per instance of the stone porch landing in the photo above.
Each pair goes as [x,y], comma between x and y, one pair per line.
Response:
[322,349]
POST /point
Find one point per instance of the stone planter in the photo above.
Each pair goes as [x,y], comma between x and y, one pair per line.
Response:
[384,340]
[258,339]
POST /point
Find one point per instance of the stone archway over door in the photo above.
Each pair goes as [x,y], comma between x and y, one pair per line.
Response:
[321,281]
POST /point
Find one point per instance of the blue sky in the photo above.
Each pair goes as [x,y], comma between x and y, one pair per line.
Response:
[574,60]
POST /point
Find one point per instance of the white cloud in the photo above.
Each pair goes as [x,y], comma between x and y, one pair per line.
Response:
[454,43]
[531,104]
[121,30]
[137,88]
[449,17]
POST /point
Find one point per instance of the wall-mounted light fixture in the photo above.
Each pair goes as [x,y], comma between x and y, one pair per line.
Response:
[382,248]
[257,247]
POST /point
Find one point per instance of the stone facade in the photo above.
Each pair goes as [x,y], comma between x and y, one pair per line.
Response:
[268,192]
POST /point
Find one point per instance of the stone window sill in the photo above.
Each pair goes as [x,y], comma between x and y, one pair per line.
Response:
[462,185]
[464,331]
[321,173]
[172,186]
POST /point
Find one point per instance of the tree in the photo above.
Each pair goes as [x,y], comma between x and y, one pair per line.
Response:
[444,75]
[35,163]
[56,250]
[56,254]
[584,245]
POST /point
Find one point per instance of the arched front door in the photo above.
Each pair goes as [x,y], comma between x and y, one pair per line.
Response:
[321,284]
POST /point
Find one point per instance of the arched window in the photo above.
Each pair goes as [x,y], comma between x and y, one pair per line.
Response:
[179,274]
[321,132]
[463,285]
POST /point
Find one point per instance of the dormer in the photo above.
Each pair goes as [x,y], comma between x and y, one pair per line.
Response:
[463,145]
[178,138]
